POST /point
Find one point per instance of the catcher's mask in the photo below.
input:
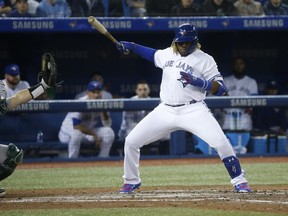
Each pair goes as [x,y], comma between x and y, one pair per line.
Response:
[186,34]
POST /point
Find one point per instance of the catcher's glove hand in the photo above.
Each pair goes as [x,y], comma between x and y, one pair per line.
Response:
[48,71]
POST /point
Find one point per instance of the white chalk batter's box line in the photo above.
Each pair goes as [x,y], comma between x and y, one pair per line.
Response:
[79,200]
[157,196]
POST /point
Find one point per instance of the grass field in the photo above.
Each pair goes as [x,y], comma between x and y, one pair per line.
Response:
[154,177]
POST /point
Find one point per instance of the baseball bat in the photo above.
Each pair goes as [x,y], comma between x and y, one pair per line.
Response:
[97,25]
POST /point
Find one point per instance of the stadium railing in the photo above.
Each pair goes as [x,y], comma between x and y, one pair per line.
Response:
[22,125]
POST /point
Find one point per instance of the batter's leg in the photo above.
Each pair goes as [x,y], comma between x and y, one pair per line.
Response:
[153,127]
[217,139]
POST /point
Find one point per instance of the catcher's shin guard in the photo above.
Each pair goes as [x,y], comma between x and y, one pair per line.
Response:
[14,157]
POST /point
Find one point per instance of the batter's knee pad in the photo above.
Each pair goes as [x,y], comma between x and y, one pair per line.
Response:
[14,157]
[232,165]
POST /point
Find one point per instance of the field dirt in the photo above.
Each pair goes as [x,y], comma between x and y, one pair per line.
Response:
[264,198]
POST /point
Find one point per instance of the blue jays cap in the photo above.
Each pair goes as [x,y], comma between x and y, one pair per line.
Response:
[12,69]
[94,85]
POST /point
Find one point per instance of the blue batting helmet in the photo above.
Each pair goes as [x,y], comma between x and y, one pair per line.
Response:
[186,33]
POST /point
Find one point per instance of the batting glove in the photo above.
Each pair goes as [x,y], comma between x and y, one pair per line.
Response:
[195,81]
[125,47]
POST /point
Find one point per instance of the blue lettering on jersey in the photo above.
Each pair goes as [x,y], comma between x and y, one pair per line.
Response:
[169,63]
[184,67]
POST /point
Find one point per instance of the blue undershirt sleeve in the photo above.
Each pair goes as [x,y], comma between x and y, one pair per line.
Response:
[145,52]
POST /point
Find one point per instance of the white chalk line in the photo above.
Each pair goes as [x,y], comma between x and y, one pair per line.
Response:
[158,196]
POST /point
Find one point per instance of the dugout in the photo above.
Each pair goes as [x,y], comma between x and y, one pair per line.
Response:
[79,50]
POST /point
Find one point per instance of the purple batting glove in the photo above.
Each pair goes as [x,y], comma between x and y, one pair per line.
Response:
[201,83]
[125,47]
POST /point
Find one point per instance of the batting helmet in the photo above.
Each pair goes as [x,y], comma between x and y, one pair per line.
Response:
[187,33]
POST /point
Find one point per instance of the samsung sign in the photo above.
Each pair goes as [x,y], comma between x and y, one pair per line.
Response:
[249,102]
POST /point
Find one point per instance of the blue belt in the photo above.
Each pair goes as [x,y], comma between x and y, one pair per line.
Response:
[179,105]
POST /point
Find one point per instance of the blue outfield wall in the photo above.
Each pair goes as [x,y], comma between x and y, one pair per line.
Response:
[80,50]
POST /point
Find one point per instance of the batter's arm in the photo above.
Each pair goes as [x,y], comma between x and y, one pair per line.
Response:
[143,51]
[218,88]
[215,87]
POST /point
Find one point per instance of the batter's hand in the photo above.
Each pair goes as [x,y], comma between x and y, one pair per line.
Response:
[195,81]
[125,47]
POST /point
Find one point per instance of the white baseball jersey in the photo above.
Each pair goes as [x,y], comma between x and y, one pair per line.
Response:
[239,119]
[193,117]
[198,63]
[241,87]
[21,85]
[91,120]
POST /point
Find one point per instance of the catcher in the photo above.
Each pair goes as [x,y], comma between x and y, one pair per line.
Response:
[11,155]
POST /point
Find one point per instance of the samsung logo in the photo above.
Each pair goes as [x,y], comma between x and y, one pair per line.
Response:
[33,25]
[172,24]
[33,107]
[117,24]
[263,23]
[248,102]
[105,105]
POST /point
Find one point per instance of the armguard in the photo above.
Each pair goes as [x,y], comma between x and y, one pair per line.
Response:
[14,157]
[222,89]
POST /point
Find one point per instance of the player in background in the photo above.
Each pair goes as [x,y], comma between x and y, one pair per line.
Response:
[188,74]
[96,76]
[131,118]
[11,155]
[88,127]
[12,80]
[239,84]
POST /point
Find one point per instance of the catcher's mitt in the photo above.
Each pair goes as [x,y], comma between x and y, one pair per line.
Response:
[49,71]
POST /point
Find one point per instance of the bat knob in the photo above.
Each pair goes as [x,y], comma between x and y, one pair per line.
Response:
[126,52]
[90,19]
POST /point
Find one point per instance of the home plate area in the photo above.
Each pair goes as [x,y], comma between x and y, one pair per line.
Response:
[260,197]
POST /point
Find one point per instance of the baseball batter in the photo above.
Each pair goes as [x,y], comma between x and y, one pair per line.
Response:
[11,155]
[188,74]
